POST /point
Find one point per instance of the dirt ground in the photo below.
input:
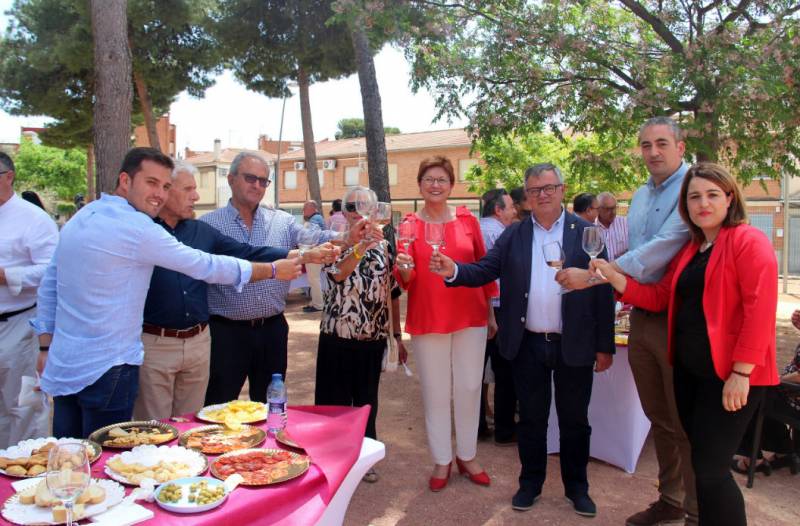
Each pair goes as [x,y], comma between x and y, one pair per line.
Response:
[401,496]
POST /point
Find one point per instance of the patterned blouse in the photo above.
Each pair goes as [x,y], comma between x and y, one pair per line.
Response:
[356,308]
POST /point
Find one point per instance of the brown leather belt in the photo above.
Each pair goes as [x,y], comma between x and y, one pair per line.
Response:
[174,333]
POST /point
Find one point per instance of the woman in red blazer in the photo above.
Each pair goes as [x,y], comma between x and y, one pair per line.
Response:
[721,292]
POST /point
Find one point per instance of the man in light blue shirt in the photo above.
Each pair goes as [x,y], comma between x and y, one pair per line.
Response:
[92,296]
[656,233]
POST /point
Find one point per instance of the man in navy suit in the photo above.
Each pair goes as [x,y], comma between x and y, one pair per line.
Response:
[546,335]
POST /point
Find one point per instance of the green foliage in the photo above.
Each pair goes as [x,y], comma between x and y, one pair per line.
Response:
[588,165]
[727,70]
[50,170]
[354,127]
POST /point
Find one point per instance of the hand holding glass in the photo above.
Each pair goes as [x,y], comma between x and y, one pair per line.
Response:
[593,244]
[308,236]
[68,473]
[554,257]
[406,234]
[340,229]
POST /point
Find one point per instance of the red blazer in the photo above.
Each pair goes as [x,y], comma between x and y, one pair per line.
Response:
[739,300]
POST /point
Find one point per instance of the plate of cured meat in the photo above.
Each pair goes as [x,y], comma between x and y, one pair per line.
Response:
[261,467]
[217,439]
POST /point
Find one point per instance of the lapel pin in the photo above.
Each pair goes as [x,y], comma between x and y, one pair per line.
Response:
[572,226]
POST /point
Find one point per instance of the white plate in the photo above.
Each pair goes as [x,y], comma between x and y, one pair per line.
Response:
[31,514]
[149,455]
[25,447]
[183,505]
[203,414]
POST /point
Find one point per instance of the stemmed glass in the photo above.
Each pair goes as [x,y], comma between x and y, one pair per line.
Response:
[406,234]
[434,235]
[593,244]
[308,236]
[366,203]
[340,233]
[68,473]
[554,257]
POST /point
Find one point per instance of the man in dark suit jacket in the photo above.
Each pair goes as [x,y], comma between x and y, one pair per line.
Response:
[546,334]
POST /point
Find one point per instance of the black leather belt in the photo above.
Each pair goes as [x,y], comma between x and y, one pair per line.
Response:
[8,315]
[545,336]
[257,322]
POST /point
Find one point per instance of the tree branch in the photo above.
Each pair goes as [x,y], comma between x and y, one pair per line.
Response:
[736,12]
[656,23]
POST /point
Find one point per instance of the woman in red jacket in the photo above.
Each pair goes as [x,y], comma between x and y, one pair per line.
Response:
[448,326]
[721,292]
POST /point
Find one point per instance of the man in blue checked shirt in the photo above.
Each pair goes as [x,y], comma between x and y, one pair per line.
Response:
[92,296]
[177,343]
[249,334]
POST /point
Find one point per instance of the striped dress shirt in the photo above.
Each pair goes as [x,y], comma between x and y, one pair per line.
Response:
[616,236]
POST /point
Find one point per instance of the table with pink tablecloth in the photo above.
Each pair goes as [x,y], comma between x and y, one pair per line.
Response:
[332,437]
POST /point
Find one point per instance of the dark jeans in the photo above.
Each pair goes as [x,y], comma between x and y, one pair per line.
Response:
[240,351]
[348,373]
[107,401]
[714,435]
[536,363]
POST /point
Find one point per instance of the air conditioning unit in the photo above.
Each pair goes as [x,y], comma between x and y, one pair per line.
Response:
[329,164]
[299,165]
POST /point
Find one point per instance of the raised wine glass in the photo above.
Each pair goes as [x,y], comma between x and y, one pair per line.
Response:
[434,235]
[308,236]
[339,229]
[366,202]
[68,473]
[554,257]
[406,234]
[593,243]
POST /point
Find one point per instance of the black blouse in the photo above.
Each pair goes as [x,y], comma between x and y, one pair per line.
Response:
[692,348]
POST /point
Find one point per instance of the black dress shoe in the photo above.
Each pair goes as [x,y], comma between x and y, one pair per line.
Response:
[311,308]
[583,505]
[506,441]
[524,499]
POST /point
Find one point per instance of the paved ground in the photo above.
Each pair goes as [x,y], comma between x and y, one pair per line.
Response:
[401,496]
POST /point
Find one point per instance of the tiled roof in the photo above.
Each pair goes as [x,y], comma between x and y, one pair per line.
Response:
[226,156]
[404,141]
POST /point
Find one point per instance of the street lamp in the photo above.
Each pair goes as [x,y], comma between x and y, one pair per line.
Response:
[280,139]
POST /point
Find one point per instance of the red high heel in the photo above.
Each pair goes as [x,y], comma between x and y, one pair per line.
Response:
[437,484]
[481,479]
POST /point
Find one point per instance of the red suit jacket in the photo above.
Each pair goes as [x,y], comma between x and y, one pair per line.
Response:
[739,300]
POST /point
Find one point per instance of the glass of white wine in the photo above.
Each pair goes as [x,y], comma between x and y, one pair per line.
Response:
[406,234]
[68,474]
[554,257]
[593,243]
[340,230]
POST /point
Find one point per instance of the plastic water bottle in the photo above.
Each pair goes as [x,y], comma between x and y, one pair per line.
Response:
[276,399]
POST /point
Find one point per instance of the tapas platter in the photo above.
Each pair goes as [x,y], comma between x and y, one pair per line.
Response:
[261,467]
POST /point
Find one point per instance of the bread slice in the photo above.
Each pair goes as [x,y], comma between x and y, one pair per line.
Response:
[43,497]
[28,495]
[60,513]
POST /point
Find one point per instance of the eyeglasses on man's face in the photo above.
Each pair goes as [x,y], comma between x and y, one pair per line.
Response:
[252,179]
[548,189]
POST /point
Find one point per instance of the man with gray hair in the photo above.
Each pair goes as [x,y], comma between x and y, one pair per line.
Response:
[249,332]
[28,238]
[655,234]
[613,226]
[174,375]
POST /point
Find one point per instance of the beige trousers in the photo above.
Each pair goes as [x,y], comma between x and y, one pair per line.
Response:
[451,367]
[652,372]
[174,376]
[314,283]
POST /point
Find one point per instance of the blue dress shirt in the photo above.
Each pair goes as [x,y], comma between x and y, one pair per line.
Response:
[317,220]
[176,301]
[273,228]
[93,292]
[655,229]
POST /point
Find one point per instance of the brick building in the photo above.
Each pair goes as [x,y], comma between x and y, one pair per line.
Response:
[166,136]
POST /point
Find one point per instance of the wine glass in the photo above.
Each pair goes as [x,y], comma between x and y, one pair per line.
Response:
[366,202]
[434,235]
[68,473]
[593,244]
[339,229]
[554,257]
[308,236]
[406,234]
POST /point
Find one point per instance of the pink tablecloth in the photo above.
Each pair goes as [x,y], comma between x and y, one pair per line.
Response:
[332,437]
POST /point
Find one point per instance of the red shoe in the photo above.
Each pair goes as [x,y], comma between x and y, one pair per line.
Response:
[481,479]
[436,484]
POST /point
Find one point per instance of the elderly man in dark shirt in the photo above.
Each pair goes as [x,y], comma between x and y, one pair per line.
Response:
[174,375]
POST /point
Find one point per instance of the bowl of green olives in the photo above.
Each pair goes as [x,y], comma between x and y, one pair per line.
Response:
[191,494]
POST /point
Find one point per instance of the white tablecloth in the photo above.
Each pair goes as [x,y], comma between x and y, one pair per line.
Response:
[619,425]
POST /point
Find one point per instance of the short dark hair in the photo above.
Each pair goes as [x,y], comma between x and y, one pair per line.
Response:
[32,197]
[432,162]
[517,195]
[492,200]
[132,164]
[6,161]
[336,205]
[582,202]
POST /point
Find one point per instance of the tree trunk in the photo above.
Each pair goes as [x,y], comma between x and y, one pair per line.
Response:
[90,192]
[308,139]
[147,110]
[708,143]
[113,92]
[377,165]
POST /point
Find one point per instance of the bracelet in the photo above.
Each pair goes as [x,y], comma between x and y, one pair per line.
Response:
[274,271]
[739,373]
[355,252]
[44,348]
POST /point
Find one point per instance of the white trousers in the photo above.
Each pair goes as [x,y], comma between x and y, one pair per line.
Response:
[451,365]
[313,272]
[18,350]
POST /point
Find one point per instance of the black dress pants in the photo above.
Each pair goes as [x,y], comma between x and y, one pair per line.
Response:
[349,373]
[714,435]
[242,350]
[537,367]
